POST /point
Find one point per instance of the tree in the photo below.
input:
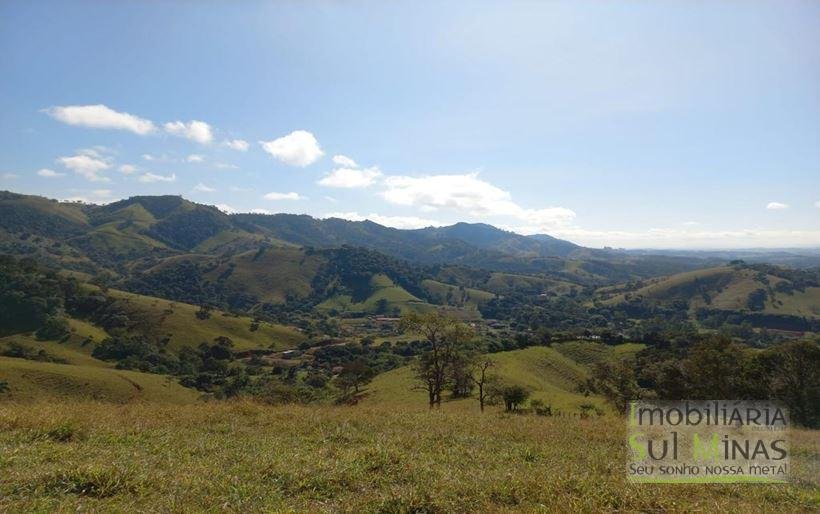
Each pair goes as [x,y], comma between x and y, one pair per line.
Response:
[353,376]
[715,367]
[757,300]
[483,380]
[616,382]
[461,379]
[445,337]
[795,380]
[514,396]
[4,386]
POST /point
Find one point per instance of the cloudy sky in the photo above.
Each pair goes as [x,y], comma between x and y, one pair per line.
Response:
[635,124]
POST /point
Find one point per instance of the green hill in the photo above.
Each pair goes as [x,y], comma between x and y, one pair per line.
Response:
[552,374]
[385,298]
[32,380]
[780,291]
[179,321]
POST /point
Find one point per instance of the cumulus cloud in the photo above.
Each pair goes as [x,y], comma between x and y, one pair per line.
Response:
[776,206]
[195,130]
[344,161]
[127,169]
[283,196]
[195,158]
[45,172]
[239,145]
[469,194]
[202,188]
[88,164]
[299,148]
[101,117]
[153,177]
[351,177]
[402,222]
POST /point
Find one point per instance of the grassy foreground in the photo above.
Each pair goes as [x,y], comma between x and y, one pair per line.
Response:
[243,456]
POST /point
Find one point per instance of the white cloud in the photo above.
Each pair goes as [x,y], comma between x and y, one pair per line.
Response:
[260,211]
[350,177]
[239,145]
[45,172]
[330,199]
[148,157]
[299,148]
[238,189]
[127,169]
[402,222]
[195,158]
[283,196]
[817,204]
[468,194]
[344,161]
[195,130]
[225,166]
[691,239]
[776,206]
[87,164]
[227,209]
[101,117]
[153,177]
[97,196]
[10,176]
[202,188]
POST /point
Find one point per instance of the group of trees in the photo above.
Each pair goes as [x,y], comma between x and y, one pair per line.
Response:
[716,367]
[452,363]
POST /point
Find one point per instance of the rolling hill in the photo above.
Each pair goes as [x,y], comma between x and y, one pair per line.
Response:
[552,374]
[116,236]
[790,293]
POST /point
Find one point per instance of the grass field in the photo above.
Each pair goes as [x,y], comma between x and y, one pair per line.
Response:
[245,457]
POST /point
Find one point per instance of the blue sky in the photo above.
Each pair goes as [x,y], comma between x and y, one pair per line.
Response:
[629,124]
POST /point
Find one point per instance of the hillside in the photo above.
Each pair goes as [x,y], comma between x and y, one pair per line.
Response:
[38,381]
[118,235]
[750,288]
[552,374]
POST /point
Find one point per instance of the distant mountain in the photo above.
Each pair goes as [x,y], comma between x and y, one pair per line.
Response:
[85,237]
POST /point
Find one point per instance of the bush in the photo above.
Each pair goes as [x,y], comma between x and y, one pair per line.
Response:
[514,396]
[54,327]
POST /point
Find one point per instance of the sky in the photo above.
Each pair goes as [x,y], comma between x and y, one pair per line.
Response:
[631,124]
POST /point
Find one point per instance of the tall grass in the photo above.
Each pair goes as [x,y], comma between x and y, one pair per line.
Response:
[242,456]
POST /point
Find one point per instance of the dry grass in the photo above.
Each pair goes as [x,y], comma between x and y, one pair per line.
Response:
[248,457]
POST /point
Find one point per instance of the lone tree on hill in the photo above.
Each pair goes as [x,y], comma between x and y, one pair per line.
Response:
[447,338]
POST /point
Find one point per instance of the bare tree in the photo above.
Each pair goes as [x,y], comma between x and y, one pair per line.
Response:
[481,378]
